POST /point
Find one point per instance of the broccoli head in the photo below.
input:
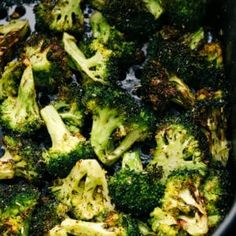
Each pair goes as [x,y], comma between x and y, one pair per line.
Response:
[21,114]
[116,115]
[22,158]
[180,144]
[11,34]
[66,149]
[60,16]
[84,191]
[10,79]
[48,60]
[17,202]
[137,19]
[132,180]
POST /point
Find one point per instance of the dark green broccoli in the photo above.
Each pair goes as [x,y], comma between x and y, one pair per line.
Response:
[60,16]
[100,65]
[11,34]
[161,88]
[10,79]
[183,209]
[21,114]
[17,202]
[210,112]
[132,180]
[22,158]
[180,144]
[186,14]
[116,115]
[66,149]
[137,19]
[48,60]
[84,191]
[114,225]
[47,214]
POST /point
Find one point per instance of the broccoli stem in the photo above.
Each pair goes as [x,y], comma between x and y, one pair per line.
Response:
[20,26]
[56,128]
[154,7]
[7,166]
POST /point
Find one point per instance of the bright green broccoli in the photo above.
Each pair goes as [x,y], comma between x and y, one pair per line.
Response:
[21,114]
[137,19]
[60,16]
[22,158]
[66,149]
[132,180]
[116,115]
[84,191]
[48,60]
[10,79]
[17,202]
[11,34]
[180,144]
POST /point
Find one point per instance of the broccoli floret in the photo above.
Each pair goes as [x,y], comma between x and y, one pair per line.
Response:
[186,14]
[100,65]
[84,191]
[161,88]
[210,112]
[115,111]
[21,114]
[47,214]
[11,34]
[132,180]
[137,19]
[22,158]
[60,16]
[66,148]
[114,225]
[183,207]
[180,144]
[17,201]
[49,61]
[10,79]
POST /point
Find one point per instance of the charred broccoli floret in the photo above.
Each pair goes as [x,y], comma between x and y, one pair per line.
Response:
[66,149]
[115,115]
[114,225]
[22,158]
[132,180]
[10,79]
[210,112]
[137,19]
[17,202]
[60,16]
[21,114]
[180,144]
[48,60]
[10,35]
[84,191]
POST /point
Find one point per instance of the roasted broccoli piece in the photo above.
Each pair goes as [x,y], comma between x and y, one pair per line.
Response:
[137,19]
[47,214]
[132,180]
[60,16]
[180,144]
[210,112]
[21,114]
[48,59]
[11,34]
[84,191]
[97,61]
[159,88]
[116,115]
[66,148]
[17,201]
[22,158]
[186,14]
